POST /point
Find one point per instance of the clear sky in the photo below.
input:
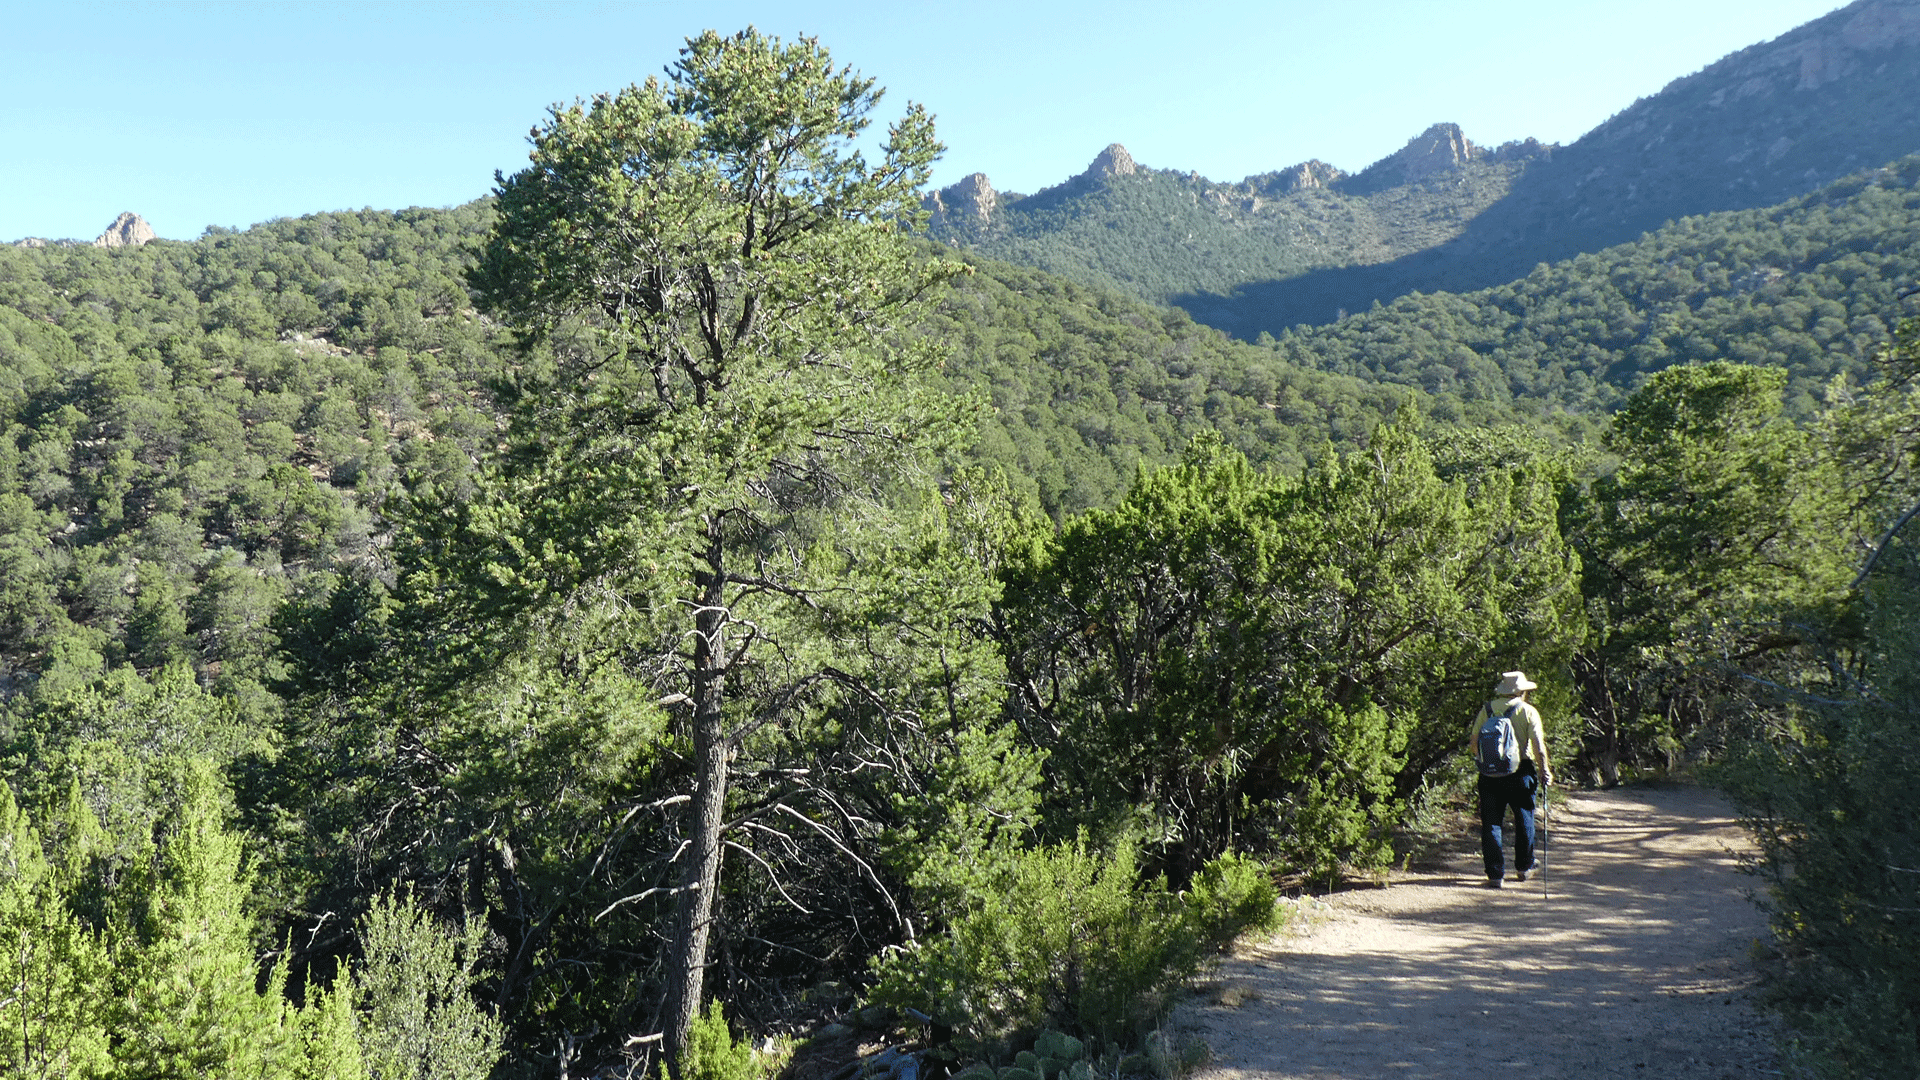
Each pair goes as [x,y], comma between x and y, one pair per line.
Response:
[228,114]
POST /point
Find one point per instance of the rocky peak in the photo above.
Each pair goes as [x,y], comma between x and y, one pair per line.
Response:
[1437,149]
[970,199]
[127,230]
[1302,177]
[1113,161]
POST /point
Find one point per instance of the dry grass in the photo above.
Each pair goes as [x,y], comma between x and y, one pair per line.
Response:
[1230,994]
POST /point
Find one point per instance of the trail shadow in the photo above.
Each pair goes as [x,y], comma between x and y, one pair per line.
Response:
[1637,963]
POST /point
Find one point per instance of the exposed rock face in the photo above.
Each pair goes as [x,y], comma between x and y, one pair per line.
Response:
[1437,149]
[1113,161]
[1806,61]
[31,241]
[1857,38]
[1302,177]
[968,200]
[1522,150]
[1771,121]
[127,230]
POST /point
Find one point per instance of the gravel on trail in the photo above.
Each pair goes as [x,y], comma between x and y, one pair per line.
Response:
[1636,965]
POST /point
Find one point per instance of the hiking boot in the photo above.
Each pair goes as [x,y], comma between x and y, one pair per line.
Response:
[1493,883]
[1519,875]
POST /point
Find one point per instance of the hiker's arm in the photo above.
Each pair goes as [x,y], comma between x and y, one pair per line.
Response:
[1538,735]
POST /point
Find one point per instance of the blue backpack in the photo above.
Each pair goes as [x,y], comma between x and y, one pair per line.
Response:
[1497,750]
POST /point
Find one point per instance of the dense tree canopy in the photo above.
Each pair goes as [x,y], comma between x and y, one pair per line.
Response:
[1808,286]
[441,620]
[1252,659]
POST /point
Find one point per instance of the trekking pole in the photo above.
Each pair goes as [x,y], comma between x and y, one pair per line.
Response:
[1543,840]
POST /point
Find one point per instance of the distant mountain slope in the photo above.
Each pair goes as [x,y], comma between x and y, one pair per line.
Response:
[1767,123]
[1762,125]
[1086,385]
[1811,285]
[1158,233]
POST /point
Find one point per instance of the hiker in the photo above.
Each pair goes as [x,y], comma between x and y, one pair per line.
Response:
[1510,748]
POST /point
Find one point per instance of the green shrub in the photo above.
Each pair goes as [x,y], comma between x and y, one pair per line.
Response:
[711,1053]
[1833,810]
[419,1020]
[1070,938]
[1230,896]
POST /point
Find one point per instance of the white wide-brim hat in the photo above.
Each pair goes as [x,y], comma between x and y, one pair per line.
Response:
[1513,682]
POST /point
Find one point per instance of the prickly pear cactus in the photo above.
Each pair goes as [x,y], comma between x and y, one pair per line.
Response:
[1061,1047]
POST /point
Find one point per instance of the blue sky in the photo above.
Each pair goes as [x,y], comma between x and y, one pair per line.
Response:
[228,114]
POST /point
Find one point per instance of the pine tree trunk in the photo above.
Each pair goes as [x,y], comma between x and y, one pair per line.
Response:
[693,917]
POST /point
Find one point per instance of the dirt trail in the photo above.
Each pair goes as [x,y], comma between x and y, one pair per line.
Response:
[1636,966]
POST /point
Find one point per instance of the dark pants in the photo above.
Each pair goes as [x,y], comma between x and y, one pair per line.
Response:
[1497,795]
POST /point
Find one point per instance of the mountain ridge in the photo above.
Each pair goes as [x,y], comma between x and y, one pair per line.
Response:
[1309,243]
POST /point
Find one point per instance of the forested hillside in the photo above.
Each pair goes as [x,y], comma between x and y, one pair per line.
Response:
[1161,234]
[192,430]
[195,429]
[622,624]
[1087,385]
[1811,286]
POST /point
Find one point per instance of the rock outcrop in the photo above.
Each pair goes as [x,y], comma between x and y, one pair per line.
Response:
[127,230]
[1819,53]
[1305,176]
[1437,149]
[1522,150]
[968,201]
[1772,121]
[1113,161]
[1440,149]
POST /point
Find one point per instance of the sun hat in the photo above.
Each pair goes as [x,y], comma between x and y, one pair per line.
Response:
[1513,682]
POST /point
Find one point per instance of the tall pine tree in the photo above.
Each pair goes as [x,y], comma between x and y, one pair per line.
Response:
[727,474]
[53,971]
[188,1006]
